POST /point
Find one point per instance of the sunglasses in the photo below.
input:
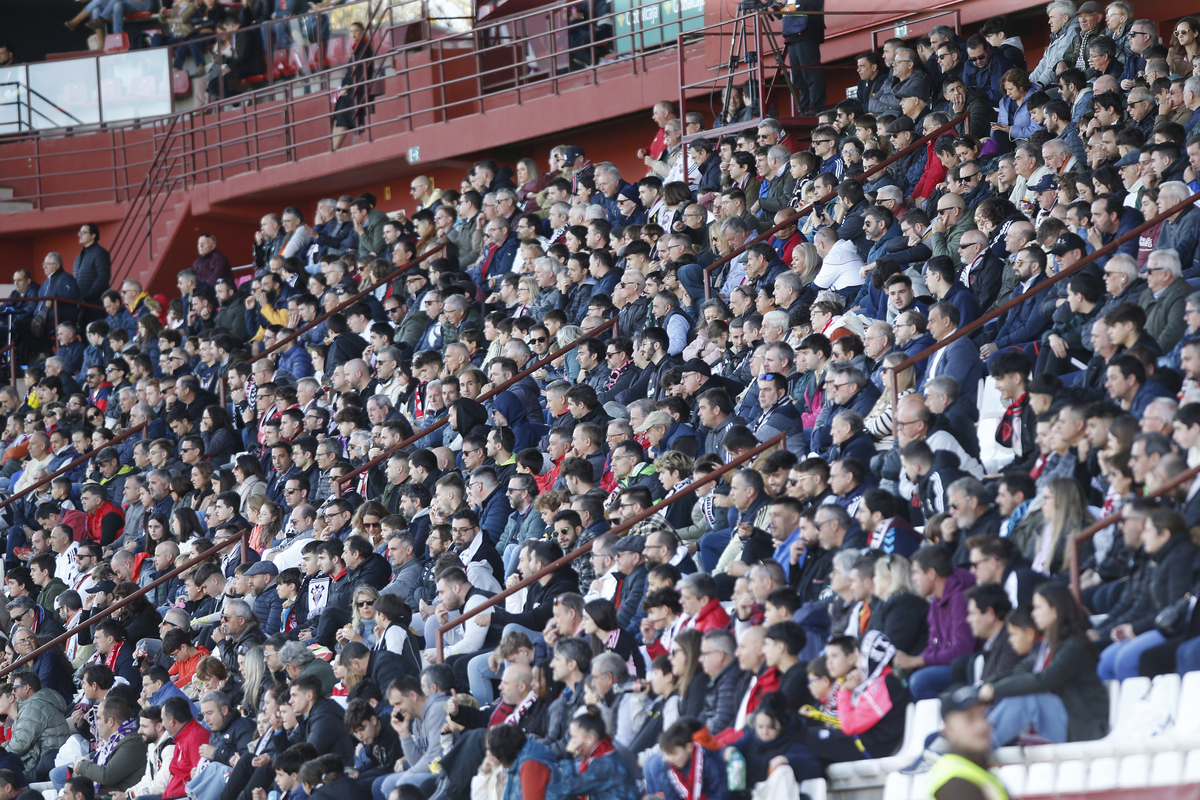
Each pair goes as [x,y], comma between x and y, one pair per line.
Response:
[366,604]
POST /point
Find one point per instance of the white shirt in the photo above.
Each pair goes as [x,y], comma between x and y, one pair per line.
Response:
[65,568]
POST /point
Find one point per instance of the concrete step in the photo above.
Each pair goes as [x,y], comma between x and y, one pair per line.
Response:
[6,193]
[15,206]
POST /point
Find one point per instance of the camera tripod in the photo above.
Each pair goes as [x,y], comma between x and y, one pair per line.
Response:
[741,52]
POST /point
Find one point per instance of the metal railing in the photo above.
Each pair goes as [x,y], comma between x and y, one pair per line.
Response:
[63,470]
[1042,286]
[619,530]
[342,306]
[449,77]
[416,437]
[725,259]
[117,606]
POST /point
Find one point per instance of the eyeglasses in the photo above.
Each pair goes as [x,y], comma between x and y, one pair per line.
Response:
[537,340]
[979,59]
[365,604]
[822,141]
[342,210]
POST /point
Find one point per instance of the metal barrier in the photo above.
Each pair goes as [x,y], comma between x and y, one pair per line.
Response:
[619,530]
[416,437]
[995,313]
[63,470]
[723,260]
[308,326]
[449,77]
[117,606]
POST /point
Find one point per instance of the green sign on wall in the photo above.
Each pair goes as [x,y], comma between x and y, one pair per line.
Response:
[644,23]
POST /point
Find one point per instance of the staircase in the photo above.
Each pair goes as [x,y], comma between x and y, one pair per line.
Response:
[10,206]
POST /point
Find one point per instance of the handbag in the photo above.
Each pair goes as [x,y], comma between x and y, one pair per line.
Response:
[209,782]
[1172,620]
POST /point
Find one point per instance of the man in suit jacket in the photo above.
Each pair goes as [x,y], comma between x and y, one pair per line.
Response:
[959,360]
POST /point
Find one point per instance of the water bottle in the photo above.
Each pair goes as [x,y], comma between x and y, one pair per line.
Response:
[273,794]
[735,769]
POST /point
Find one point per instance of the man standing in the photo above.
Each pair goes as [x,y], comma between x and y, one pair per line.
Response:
[803,33]
[93,266]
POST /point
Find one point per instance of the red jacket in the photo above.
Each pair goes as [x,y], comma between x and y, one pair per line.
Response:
[95,520]
[187,755]
[710,618]
[764,684]
[935,173]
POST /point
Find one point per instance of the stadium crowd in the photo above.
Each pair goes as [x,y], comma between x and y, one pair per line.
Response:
[783,614]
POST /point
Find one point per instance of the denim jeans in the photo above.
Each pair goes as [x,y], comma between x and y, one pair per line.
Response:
[382,787]
[929,682]
[117,11]
[1119,660]
[1044,712]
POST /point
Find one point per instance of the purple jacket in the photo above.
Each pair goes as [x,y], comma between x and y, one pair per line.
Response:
[949,634]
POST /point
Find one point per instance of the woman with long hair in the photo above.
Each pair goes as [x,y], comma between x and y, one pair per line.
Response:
[902,615]
[148,329]
[250,480]
[368,522]
[202,495]
[1055,690]
[185,525]
[879,423]
[1184,47]
[362,617]
[158,529]
[1064,513]
[607,635]
[256,678]
[221,441]
[692,681]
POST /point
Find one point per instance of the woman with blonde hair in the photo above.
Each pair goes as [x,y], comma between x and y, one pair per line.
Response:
[527,290]
[806,262]
[902,614]
[879,422]
[362,617]
[1065,513]
[569,361]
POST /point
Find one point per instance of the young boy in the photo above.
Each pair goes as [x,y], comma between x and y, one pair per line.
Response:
[866,686]
[692,771]
[287,584]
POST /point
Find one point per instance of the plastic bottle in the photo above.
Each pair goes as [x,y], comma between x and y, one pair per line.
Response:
[735,769]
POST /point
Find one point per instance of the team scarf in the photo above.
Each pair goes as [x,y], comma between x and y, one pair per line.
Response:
[110,660]
[1008,433]
[602,748]
[515,717]
[679,487]
[694,793]
[766,415]
[616,374]
[106,748]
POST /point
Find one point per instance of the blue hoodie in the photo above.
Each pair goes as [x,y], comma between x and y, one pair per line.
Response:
[514,411]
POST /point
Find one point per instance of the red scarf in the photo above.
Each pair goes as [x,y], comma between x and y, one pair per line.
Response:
[602,748]
[677,778]
[110,660]
[500,714]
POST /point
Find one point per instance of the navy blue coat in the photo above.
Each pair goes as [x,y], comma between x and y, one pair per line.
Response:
[862,402]
[494,513]
[60,284]
[965,301]
[960,361]
[93,272]
[1019,325]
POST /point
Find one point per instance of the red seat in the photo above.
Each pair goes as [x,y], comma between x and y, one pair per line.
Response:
[335,51]
[111,90]
[314,58]
[252,79]
[136,15]
[116,43]
[143,86]
[281,65]
[181,83]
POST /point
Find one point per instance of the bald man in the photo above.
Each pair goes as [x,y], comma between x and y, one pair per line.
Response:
[358,375]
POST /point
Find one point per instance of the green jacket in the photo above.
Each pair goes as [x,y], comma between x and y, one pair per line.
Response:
[946,244]
[371,239]
[124,768]
[450,332]
[47,596]
[412,327]
[41,727]
[1164,314]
